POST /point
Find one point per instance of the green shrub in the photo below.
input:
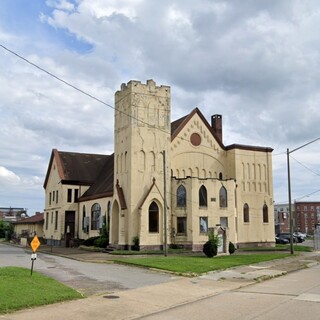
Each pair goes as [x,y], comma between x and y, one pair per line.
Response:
[210,249]
[101,242]
[90,241]
[232,248]
[136,244]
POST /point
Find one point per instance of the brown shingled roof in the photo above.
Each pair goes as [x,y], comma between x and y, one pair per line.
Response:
[82,167]
[76,168]
[37,218]
[103,185]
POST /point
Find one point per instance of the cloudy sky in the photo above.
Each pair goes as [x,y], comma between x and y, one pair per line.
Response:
[254,62]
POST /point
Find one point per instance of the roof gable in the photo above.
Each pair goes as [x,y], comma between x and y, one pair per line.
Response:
[76,168]
[178,125]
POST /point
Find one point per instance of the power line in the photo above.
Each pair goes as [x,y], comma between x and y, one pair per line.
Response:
[95,98]
[308,195]
[311,170]
[56,77]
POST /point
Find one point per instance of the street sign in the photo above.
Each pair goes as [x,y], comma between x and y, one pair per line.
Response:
[35,243]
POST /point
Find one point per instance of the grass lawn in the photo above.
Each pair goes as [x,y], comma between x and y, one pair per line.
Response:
[281,247]
[19,290]
[199,264]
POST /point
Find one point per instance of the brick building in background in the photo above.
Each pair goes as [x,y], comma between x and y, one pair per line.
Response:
[282,217]
[307,216]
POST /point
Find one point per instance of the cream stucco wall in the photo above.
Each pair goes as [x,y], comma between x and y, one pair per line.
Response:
[200,165]
[55,210]
[31,228]
[142,136]
[253,173]
[142,133]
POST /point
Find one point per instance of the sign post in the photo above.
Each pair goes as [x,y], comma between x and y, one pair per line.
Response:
[35,244]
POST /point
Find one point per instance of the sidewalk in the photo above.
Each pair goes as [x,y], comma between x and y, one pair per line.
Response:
[135,303]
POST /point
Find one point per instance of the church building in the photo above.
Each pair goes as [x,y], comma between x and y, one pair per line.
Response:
[167,183]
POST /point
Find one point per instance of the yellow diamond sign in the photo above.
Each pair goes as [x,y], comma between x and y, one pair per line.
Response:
[35,243]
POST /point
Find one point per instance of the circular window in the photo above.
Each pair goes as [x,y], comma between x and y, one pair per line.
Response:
[195,139]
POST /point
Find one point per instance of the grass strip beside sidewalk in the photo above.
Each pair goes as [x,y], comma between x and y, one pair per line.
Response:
[196,265]
[19,290]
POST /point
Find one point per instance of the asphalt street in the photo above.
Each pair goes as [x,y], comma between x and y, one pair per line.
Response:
[283,289]
[87,277]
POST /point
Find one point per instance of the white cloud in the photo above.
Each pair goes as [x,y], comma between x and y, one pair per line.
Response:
[8,177]
[255,63]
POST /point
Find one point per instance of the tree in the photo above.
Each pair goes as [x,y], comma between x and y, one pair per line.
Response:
[6,229]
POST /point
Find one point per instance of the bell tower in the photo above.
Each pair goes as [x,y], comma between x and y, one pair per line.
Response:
[142,132]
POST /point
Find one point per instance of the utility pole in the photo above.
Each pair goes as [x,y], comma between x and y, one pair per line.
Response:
[290,209]
[165,246]
[289,191]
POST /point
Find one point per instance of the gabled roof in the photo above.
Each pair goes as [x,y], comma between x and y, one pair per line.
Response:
[76,168]
[179,124]
[38,218]
[153,185]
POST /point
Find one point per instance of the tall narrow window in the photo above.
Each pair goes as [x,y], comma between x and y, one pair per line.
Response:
[57,196]
[203,197]
[181,196]
[265,214]
[246,213]
[76,195]
[223,200]
[69,198]
[108,216]
[56,222]
[203,224]
[47,220]
[84,220]
[181,225]
[95,216]
[153,217]
[53,194]
[50,198]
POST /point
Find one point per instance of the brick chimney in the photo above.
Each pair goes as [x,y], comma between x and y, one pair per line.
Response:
[216,124]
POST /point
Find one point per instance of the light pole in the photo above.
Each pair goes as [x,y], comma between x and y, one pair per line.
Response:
[289,191]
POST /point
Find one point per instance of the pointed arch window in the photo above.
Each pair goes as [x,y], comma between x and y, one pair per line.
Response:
[181,196]
[153,218]
[108,215]
[95,216]
[84,219]
[246,217]
[203,202]
[265,214]
[223,197]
